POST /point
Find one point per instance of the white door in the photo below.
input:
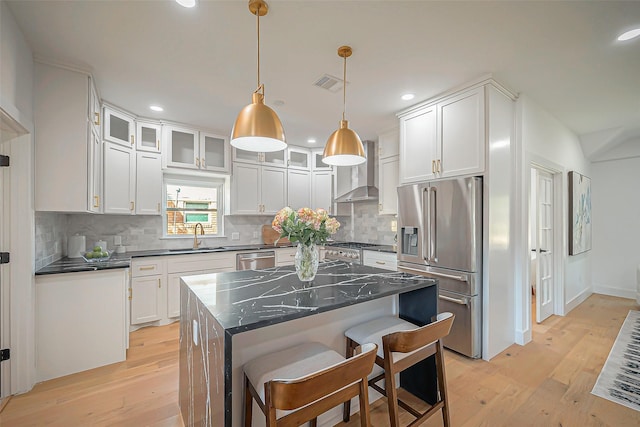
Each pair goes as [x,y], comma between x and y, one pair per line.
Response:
[273,189]
[321,194]
[418,146]
[544,249]
[146,299]
[245,188]
[119,177]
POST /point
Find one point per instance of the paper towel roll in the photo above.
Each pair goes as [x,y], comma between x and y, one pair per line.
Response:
[76,246]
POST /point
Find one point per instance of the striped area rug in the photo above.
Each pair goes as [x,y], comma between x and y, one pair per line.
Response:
[619,380]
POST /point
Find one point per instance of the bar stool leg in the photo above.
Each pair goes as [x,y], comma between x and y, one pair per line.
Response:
[248,403]
[442,384]
[346,411]
[391,392]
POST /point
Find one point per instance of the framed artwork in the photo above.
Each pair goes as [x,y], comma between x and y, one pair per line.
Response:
[579,213]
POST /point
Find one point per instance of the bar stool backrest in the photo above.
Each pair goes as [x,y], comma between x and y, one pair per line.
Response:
[321,390]
[407,341]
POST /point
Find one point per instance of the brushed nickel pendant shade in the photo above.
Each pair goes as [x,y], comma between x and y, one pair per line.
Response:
[258,127]
[344,147]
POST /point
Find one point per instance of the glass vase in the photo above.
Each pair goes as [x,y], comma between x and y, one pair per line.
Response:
[306,262]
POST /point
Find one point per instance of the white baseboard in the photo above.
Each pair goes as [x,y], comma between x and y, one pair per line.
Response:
[523,337]
[577,300]
[615,292]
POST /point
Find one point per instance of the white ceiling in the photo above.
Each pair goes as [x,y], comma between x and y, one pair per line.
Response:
[200,64]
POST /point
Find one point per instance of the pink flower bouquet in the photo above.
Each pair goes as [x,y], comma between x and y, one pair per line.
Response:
[305,226]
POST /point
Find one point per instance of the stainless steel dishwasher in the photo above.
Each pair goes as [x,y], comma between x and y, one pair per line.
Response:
[255,260]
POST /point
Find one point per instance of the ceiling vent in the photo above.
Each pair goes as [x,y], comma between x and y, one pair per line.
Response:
[330,83]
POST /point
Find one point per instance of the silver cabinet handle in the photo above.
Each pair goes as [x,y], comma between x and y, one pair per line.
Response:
[427,273]
[453,300]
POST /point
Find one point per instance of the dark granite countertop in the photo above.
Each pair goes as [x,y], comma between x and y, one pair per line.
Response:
[71,265]
[251,299]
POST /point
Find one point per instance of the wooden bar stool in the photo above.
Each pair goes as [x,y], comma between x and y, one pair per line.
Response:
[403,344]
[296,385]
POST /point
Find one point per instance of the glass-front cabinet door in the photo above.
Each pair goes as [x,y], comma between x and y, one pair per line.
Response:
[274,158]
[318,164]
[148,136]
[298,158]
[182,147]
[119,127]
[214,152]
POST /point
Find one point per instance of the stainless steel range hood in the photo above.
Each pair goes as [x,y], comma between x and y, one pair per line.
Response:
[364,188]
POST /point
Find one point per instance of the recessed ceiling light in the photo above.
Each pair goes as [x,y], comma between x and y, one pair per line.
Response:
[311,140]
[631,34]
[407,97]
[187,3]
[156,108]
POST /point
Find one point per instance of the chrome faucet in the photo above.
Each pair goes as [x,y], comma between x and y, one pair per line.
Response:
[195,235]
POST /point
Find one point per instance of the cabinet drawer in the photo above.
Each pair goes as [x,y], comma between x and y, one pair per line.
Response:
[147,267]
[201,262]
[386,260]
[285,256]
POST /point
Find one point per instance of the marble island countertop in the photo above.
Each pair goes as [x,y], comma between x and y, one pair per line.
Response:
[251,299]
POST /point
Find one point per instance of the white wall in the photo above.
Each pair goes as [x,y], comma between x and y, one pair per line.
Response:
[16,100]
[616,222]
[547,140]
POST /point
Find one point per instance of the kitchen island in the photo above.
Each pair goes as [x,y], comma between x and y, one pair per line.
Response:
[228,319]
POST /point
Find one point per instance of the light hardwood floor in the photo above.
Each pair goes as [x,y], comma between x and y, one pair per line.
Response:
[545,383]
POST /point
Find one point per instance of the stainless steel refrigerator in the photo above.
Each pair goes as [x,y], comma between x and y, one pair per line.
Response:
[440,236]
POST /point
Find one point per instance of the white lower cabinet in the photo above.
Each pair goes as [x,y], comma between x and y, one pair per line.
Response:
[285,256]
[146,299]
[385,260]
[147,290]
[155,283]
[80,321]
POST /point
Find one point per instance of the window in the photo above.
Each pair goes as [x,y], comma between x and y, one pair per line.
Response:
[189,202]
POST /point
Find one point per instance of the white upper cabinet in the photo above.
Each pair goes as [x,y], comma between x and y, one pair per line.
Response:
[298,158]
[193,149]
[119,127]
[317,163]
[95,110]
[258,189]
[388,171]
[274,158]
[182,147]
[443,139]
[299,188]
[148,183]
[214,152]
[321,190]
[418,145]
[461,134]
[388,143]
[119,179]
[68,177]
[148,136]
[388,187]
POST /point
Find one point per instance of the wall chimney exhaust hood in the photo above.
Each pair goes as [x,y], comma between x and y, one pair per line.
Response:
[364,188]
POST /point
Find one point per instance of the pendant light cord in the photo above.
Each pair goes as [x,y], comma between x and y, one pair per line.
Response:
[344,89]
[258,29]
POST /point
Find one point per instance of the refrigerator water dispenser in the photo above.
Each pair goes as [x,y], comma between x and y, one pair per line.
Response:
[409,238]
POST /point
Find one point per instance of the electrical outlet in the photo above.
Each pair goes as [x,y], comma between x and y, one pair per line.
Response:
[255,234]
[235,236]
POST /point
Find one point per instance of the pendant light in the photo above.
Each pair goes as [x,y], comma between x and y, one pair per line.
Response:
[258,127]
[344,147]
